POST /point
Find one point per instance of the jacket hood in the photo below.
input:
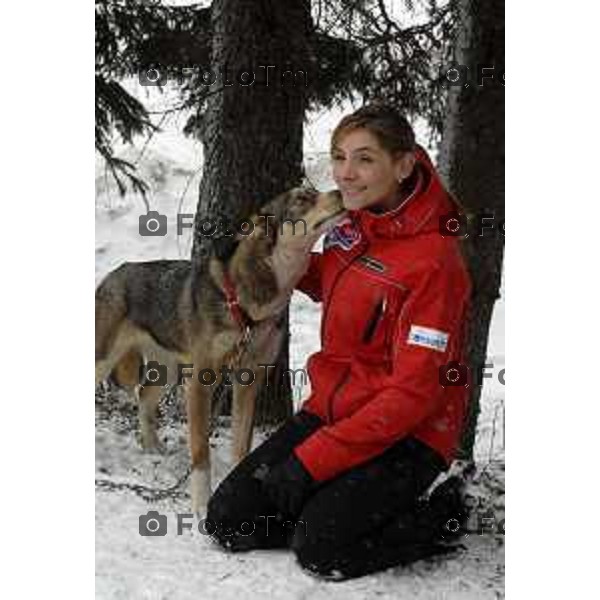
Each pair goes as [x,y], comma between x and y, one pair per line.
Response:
[419,213]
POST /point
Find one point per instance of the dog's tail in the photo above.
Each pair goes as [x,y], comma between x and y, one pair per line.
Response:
[111,310]
[121,365]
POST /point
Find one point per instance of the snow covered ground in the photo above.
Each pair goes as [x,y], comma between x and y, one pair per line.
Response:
[190,565]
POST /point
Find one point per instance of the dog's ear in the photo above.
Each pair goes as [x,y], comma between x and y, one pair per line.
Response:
[224,247]
[251,269]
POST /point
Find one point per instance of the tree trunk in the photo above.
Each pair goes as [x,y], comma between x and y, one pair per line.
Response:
[472,163]
[253,131]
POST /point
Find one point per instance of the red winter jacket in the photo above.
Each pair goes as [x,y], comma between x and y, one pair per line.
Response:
[395,294]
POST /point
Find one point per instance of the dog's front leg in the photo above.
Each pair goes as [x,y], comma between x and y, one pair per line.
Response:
[242,418]
[198,410]
[267,343]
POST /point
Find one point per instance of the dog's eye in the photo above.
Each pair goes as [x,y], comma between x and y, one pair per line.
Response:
[301,199]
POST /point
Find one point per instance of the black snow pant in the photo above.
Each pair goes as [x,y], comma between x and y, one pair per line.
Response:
[362,521]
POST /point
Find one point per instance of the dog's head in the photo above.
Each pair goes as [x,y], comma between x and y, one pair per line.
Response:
[289,225]
[294,219]
[298,217]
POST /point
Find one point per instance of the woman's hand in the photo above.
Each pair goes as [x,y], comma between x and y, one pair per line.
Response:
[287,484]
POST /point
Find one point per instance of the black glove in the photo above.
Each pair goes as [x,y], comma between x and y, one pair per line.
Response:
[287,484]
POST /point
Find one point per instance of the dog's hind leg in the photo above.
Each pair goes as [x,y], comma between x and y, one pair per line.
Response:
[126,371]
[198,411]
[127,374]
[149,399]
[103,369]
[109,363]
[118,355]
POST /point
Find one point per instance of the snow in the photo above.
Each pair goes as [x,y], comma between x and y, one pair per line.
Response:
[191,565]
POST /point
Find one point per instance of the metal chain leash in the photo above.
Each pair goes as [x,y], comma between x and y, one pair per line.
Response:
[151,494]
[244,344]
[147,493]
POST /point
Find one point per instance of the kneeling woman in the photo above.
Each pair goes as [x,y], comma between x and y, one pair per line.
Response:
[340,482]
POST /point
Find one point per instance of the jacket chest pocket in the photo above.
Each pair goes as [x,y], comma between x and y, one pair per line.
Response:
[380,321]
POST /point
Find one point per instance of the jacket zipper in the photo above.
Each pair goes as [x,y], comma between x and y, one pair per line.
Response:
[324,323]
[369,331]
[367,336]
[333,286]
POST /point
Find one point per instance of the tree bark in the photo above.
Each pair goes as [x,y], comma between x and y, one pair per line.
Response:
[253,131]
[472,164]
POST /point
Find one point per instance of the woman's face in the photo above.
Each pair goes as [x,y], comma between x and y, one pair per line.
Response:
[365,172]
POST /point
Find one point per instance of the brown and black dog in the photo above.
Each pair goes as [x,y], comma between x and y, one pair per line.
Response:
[153,317]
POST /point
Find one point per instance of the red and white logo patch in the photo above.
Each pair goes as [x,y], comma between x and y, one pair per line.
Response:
[345,234]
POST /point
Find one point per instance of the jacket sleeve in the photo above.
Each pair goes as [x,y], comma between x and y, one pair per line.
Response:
[310,283]
[411,393]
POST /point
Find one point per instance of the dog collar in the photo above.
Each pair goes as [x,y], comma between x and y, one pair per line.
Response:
[233,304]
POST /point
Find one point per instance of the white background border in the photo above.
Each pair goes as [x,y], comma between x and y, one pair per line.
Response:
[47,244]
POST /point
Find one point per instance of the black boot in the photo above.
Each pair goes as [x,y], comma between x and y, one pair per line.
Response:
[431,527]
[447,509]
